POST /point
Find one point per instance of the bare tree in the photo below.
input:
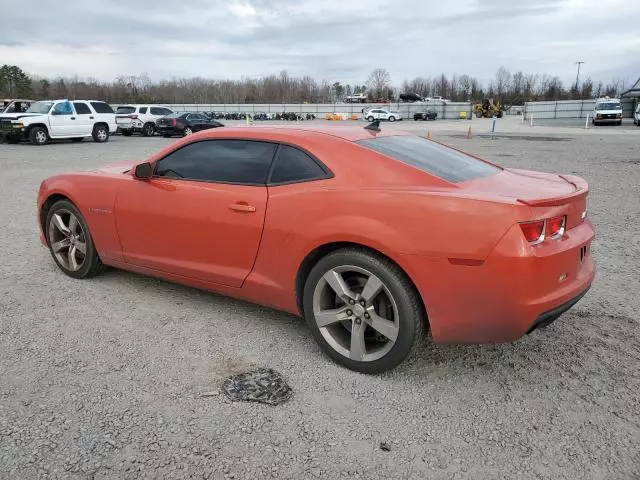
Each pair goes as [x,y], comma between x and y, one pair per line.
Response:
[379,82]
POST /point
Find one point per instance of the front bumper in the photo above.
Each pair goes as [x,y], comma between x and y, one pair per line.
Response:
[502,297]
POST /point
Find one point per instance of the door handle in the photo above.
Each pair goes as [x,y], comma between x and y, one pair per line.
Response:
[242,207]
[91,118]
[73,118]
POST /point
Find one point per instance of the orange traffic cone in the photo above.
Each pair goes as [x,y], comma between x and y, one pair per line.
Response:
[428,134]
[469,134]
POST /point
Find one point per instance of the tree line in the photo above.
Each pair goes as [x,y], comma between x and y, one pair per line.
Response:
[507,87]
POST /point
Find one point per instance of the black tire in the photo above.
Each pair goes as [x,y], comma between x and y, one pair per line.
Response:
[77,139]
[392,118]
[92,265]
[100,133]
[38,136]
[370,119]
[411,315]
[148,130]
[127,133]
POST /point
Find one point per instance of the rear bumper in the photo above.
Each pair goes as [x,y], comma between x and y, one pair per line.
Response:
[503,297]
[547,318]
[168,130]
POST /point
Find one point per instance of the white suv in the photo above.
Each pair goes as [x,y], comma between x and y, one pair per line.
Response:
[607,110]
[56,119]
[381,114]
[140,118]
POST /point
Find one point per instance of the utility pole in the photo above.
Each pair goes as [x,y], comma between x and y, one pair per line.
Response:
[578,75]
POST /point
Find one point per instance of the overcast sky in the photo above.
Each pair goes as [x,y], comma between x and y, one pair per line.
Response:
[337,40]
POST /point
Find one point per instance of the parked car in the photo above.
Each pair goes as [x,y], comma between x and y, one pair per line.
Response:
[356,98]
[427,237]
[60,119]
[185,124]
[428,114]
[9,105]
[607,110]
[381,114]
[140,118]
[636,116]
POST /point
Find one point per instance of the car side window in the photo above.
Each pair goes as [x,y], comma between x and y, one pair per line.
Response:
[82,108]
[63,108]
[157,111]
[294,165]
[143,110]
[101,107]
[226,161]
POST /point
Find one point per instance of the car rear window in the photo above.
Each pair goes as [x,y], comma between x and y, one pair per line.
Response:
[431,157]
[126,110]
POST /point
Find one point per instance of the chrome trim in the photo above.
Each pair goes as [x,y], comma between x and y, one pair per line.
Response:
[560,232]
[542,235]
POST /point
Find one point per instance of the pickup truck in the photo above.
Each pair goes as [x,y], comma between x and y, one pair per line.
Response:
[60,119]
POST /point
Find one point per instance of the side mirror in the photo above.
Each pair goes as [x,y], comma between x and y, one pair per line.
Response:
[143,171]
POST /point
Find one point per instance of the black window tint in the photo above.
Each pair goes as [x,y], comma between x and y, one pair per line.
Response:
[157,111]
[228,161]
[101,107]
[82,108]
[126,110]
[143,109]
[166,111]
[431,157]
[293,165]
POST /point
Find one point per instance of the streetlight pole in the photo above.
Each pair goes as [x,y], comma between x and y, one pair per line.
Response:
[578,75]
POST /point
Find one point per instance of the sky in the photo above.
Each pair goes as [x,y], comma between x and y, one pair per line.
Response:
[335,40]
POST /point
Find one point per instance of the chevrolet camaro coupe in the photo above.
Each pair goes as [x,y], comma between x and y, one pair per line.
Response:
[373,237]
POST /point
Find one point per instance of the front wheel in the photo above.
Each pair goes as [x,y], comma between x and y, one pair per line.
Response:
[70,242]
[100,134]
[363,310]
[392,118]
[38,136]
[187,131]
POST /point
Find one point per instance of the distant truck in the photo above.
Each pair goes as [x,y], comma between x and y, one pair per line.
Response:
[356,98]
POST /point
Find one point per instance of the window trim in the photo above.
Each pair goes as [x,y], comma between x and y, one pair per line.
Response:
[267,183]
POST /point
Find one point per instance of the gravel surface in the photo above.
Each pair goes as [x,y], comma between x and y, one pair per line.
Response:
[118,377]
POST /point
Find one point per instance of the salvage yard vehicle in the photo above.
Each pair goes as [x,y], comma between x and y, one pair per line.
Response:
[381,114]
[428,114]
[488,109]
[374,237]
[140,118]
[607,110]
[60,119]
[184,124]
[18,105]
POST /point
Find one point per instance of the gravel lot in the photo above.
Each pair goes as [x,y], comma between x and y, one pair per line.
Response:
[104,378]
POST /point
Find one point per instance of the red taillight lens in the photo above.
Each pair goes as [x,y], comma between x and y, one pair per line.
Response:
[173,122]
[134,117]
[533,231]
[555,226]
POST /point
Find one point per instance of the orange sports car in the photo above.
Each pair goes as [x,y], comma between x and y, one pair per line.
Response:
[374,237]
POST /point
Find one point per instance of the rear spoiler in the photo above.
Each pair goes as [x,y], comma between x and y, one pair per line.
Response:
[582,190]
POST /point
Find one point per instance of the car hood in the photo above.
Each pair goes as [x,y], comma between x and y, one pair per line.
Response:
[120,167]
[15,116]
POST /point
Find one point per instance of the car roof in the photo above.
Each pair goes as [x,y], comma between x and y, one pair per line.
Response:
[349,133]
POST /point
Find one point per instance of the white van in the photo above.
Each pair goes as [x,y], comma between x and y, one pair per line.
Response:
[607,110]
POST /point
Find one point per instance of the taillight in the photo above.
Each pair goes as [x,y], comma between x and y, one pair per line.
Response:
[173,122]
[555,226]
[533,231]
[134,117]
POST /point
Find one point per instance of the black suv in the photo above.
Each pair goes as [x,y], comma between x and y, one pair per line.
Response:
[428,114]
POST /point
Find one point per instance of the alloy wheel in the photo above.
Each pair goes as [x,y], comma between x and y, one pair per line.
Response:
[41,136]
[68,240]
[101,133]
[356,313]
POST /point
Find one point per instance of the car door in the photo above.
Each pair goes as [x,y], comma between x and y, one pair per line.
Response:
[84,119]
[199,122]
[62,120]
[201,215]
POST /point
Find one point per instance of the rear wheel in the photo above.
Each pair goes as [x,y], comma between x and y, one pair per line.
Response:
[392,118]
[362,310]
[370,119]
[38,136]
[70,242]
[148,130]
[100,133]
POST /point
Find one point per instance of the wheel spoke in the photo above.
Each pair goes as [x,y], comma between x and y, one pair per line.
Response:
[81,247]
[57,246]
[371,289]
[336,282]
[324,318]
[382,325]
[73,261]
[73,223]
[57,221]
[358,348]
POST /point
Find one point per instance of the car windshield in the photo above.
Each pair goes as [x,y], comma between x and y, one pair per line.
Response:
[40,107]
[126,109]
[431,157]
[609,106]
